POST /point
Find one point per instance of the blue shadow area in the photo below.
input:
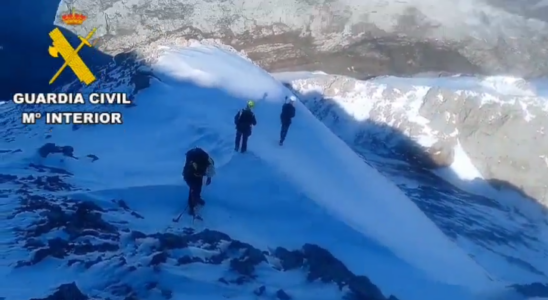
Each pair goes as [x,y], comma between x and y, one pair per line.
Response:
[462,215]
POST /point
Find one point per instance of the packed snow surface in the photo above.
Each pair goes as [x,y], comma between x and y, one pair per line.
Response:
[504,231]
[357,195]
[314,189]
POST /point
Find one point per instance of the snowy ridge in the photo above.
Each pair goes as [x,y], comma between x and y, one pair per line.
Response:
[153,50]
[349,188]
[268,198]
[504,232]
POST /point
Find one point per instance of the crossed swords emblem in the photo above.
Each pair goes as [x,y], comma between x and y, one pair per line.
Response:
[71,56]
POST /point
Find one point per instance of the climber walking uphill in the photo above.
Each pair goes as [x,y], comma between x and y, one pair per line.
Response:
[288,113]
[197,165]
[244,121]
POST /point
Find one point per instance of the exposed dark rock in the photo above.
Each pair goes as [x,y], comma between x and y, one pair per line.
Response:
[122,204]
[241,280]
[289,260]
[77,219]
[42,168]
[184,260]
[52,184]
[532,290]
[56,248]
[324,266]
[90,238]
[87,247]
[67,291]
[33,243]
[244,267]
[364,289]
[209,237]
[151,285]
[84,215]
[217,259]
[93,157]
[170,241]
[140,81]
[250,257]
[137,235]
[7,178]
[158,258]
[282,295]
[260,290]
[441,154]
[167,294]
[136,215]
[51,148]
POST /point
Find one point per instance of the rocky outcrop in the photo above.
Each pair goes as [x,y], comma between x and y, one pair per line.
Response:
[67,291]
[341,36]
[51,148]
[98,237]
[504,136]
[534,290]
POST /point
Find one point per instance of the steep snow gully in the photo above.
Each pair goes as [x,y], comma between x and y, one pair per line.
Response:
[103,221]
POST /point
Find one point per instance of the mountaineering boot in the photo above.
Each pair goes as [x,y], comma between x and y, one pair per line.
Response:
[192,210]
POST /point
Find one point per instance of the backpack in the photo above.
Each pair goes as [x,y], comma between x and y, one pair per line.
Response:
[198,155]
[197,160]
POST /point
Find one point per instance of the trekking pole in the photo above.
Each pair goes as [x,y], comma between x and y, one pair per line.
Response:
[180,214]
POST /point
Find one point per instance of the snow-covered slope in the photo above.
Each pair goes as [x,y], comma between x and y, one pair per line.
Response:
[421,134]
[104,220]
[499,122]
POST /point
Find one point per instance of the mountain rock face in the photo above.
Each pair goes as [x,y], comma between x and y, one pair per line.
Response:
[504,136]
[506,141]
[349,37]
[408,134]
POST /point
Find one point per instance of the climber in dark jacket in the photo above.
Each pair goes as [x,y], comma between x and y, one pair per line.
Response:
[197,165]
[244,121]
[288,113]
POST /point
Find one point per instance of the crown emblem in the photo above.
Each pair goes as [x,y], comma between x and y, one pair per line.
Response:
[73,18]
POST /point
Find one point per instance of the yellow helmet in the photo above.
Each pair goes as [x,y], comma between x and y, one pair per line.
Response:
[250,103]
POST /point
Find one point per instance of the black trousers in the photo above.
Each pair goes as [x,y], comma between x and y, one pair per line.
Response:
[283,131]
[241,141]
[194,192]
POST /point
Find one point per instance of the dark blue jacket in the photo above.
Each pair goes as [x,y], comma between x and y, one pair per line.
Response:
[196,164]
[288,112]
[244,119]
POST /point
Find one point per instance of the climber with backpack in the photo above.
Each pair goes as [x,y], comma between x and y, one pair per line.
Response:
[244,121]
[287,114]
[198,165]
